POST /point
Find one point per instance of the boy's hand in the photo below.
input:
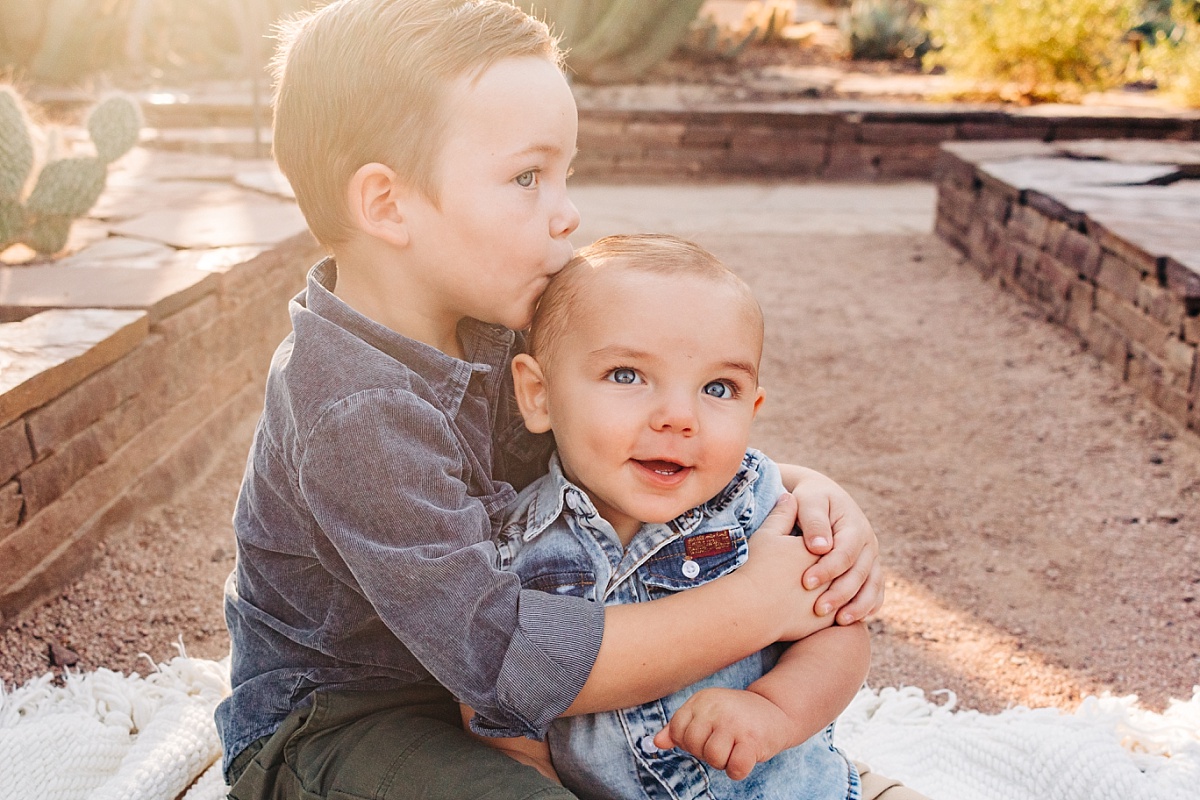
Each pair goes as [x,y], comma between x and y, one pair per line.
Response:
[730,729]
[773,571]
[836,529]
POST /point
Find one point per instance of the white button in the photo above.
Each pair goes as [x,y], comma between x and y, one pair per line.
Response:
[690,569]
[648,746]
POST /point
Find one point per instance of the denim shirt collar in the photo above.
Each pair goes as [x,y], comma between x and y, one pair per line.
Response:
[556,493]
[448,376]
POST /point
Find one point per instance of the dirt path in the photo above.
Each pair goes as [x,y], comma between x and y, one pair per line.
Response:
[1040,524]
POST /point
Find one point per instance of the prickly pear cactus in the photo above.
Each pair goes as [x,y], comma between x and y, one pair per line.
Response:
[609,41]
[66,188]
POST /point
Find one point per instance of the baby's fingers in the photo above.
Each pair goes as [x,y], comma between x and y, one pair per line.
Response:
[741,761]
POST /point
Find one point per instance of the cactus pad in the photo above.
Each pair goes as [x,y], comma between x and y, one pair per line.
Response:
[114,126]
[16,146]
[49,234]
[68,187]
[12,222]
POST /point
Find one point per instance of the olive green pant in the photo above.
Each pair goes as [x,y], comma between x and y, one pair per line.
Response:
[379,746]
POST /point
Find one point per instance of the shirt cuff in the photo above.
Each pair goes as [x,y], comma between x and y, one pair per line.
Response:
[549,659]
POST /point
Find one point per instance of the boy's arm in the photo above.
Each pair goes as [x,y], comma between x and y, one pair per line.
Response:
[406,533]
[526,751]
[651,650]
[836,529]
[813,682]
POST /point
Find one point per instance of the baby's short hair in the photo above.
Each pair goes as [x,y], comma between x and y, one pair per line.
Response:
[653,253]
[363,81]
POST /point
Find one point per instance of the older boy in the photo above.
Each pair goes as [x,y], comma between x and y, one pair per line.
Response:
[652,491]
[428,142]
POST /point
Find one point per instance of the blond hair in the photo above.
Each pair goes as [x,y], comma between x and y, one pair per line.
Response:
[364,81]
[653,253]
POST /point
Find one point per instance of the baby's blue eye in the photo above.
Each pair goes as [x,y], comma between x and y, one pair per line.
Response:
[718,389]
[623,375]
[527,179]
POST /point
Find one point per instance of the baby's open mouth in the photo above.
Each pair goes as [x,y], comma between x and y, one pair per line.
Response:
[661,467]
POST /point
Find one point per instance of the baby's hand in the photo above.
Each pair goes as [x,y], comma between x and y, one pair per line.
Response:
[730,729]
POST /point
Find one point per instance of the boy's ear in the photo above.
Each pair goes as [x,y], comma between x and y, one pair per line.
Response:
[375,200]
[532,398]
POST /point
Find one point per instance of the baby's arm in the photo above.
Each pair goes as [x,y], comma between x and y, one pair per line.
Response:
[526,751]
[651,650]
[836,529]
[814,680]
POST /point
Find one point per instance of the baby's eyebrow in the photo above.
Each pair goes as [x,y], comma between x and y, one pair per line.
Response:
[611,352]
[742,366]
[618,351]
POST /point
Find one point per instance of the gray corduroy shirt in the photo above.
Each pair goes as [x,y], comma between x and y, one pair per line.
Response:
[378,471]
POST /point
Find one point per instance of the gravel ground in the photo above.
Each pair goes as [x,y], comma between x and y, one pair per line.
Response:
[1038,521]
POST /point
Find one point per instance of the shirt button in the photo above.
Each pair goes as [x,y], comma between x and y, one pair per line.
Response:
[648,746]
[690,569]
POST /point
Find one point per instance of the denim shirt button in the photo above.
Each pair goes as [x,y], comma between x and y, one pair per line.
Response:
[690,569]
[648,746]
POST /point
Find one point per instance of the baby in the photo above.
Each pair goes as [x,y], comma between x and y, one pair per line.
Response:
[643,360]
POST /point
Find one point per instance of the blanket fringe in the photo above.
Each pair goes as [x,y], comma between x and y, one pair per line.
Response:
[102,736]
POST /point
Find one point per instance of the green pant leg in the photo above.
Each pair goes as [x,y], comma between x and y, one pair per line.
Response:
[385,746]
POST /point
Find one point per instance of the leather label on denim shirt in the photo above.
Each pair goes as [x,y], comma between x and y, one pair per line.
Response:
[708,544]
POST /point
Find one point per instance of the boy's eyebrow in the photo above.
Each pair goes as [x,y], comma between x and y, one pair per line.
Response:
[548,149]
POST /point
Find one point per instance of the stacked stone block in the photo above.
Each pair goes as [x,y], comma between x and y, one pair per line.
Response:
[1135,307]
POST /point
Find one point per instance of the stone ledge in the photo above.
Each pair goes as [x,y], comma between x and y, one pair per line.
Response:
[52,351]
[1103,236]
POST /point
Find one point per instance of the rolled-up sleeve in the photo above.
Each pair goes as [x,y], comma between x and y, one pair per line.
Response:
[386,481]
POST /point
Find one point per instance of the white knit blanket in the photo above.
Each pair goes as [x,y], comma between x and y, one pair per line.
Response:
[103,735]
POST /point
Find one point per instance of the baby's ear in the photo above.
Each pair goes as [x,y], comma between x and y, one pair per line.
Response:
[532,399]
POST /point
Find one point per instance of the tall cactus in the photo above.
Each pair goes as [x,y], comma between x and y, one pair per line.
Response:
[610,41]
[66,188]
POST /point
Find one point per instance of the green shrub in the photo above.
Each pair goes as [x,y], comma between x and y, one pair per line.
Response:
[1173,58]
[1033,49]
[882,28]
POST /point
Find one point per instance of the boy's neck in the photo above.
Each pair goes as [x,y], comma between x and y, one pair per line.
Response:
[379,292]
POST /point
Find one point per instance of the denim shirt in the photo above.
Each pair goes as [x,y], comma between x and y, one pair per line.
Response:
[557,542]
[364,529]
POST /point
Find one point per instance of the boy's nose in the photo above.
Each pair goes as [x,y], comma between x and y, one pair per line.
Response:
[566,220]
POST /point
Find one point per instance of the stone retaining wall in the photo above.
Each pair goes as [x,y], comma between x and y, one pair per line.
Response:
[1103,236]
[115,397]
[830,140]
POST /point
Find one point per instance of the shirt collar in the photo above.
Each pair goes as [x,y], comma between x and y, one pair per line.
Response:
[448,376]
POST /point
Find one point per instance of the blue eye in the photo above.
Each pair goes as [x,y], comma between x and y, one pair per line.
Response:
[719,389]
[527,179]
[624,375]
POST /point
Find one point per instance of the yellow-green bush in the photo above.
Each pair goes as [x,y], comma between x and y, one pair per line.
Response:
[1173,58]
[1033,49]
